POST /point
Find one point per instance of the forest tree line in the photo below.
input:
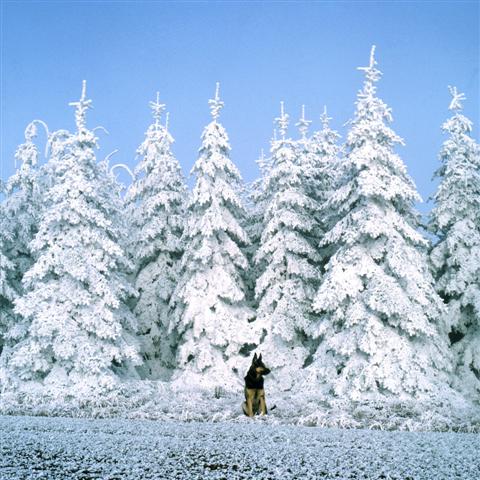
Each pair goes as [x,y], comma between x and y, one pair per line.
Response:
[322,264]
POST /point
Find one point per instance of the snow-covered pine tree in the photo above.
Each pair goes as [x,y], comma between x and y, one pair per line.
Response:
[77,322]
[211,311]
[286,286]
[156,204]
[380,324]
[19,219]
[455,220]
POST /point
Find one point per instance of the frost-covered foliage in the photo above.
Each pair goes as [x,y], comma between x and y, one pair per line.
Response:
[165,401]
[211,311]
[19,217]
[287,283]
[76,322]
[156,207]
[380,326]
[455,220]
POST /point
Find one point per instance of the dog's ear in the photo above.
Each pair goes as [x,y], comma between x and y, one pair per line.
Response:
[260,357]
[255,357]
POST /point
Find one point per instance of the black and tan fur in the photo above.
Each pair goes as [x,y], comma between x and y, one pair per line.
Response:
[254,392]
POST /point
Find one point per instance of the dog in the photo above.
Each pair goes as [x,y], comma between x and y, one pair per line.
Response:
[254,392]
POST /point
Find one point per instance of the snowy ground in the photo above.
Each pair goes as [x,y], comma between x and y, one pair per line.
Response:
[61,448]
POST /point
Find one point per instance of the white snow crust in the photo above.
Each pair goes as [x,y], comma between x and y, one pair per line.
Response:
[62,448]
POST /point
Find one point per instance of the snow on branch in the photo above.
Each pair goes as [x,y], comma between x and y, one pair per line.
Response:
[324,118]
[457,98]
[167,118]
[81,108]
[121,165]
[282,121]
[31,132]
[101,128]
[157,109]
[372,74]
[216,104]
[303,124]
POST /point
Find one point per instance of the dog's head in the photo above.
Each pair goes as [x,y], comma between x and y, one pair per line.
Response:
[259,366]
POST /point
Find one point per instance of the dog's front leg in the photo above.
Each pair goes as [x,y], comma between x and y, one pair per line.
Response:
[263,404]
[249,394]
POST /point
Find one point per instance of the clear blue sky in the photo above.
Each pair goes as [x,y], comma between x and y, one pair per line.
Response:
[261,52]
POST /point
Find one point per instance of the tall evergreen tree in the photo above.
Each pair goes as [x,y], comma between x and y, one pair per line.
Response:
[455,220]
[21,212]
[324,152]
[317,155]
[8,292]
[256,201]
[379,329]
[211,311]
[77,321]
[157,201]
[286,286]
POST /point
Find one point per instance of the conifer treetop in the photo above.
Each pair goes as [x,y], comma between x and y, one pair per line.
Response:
[372,74]
[457,98]
[215,103]
[282,121]
[31,132]
[262,162]
[157,109]
[303,124]
[325,119]
[81,108]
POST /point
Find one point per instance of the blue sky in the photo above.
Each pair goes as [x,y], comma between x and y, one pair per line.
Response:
[261,52]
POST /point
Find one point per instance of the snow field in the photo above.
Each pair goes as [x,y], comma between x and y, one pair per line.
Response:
[59,448]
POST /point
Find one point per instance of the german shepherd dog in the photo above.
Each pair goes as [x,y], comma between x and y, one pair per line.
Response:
[254,393]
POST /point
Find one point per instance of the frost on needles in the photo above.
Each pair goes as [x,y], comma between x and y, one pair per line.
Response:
[455,258]
[78,327]
[380,322]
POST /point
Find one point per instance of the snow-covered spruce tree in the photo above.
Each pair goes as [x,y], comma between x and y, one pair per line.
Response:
[211,314]
[286,286]
[380,327]
[324,152]
[78,323]
[256,201]
[19,219]
[455,220]
[156,204]
[8,292]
